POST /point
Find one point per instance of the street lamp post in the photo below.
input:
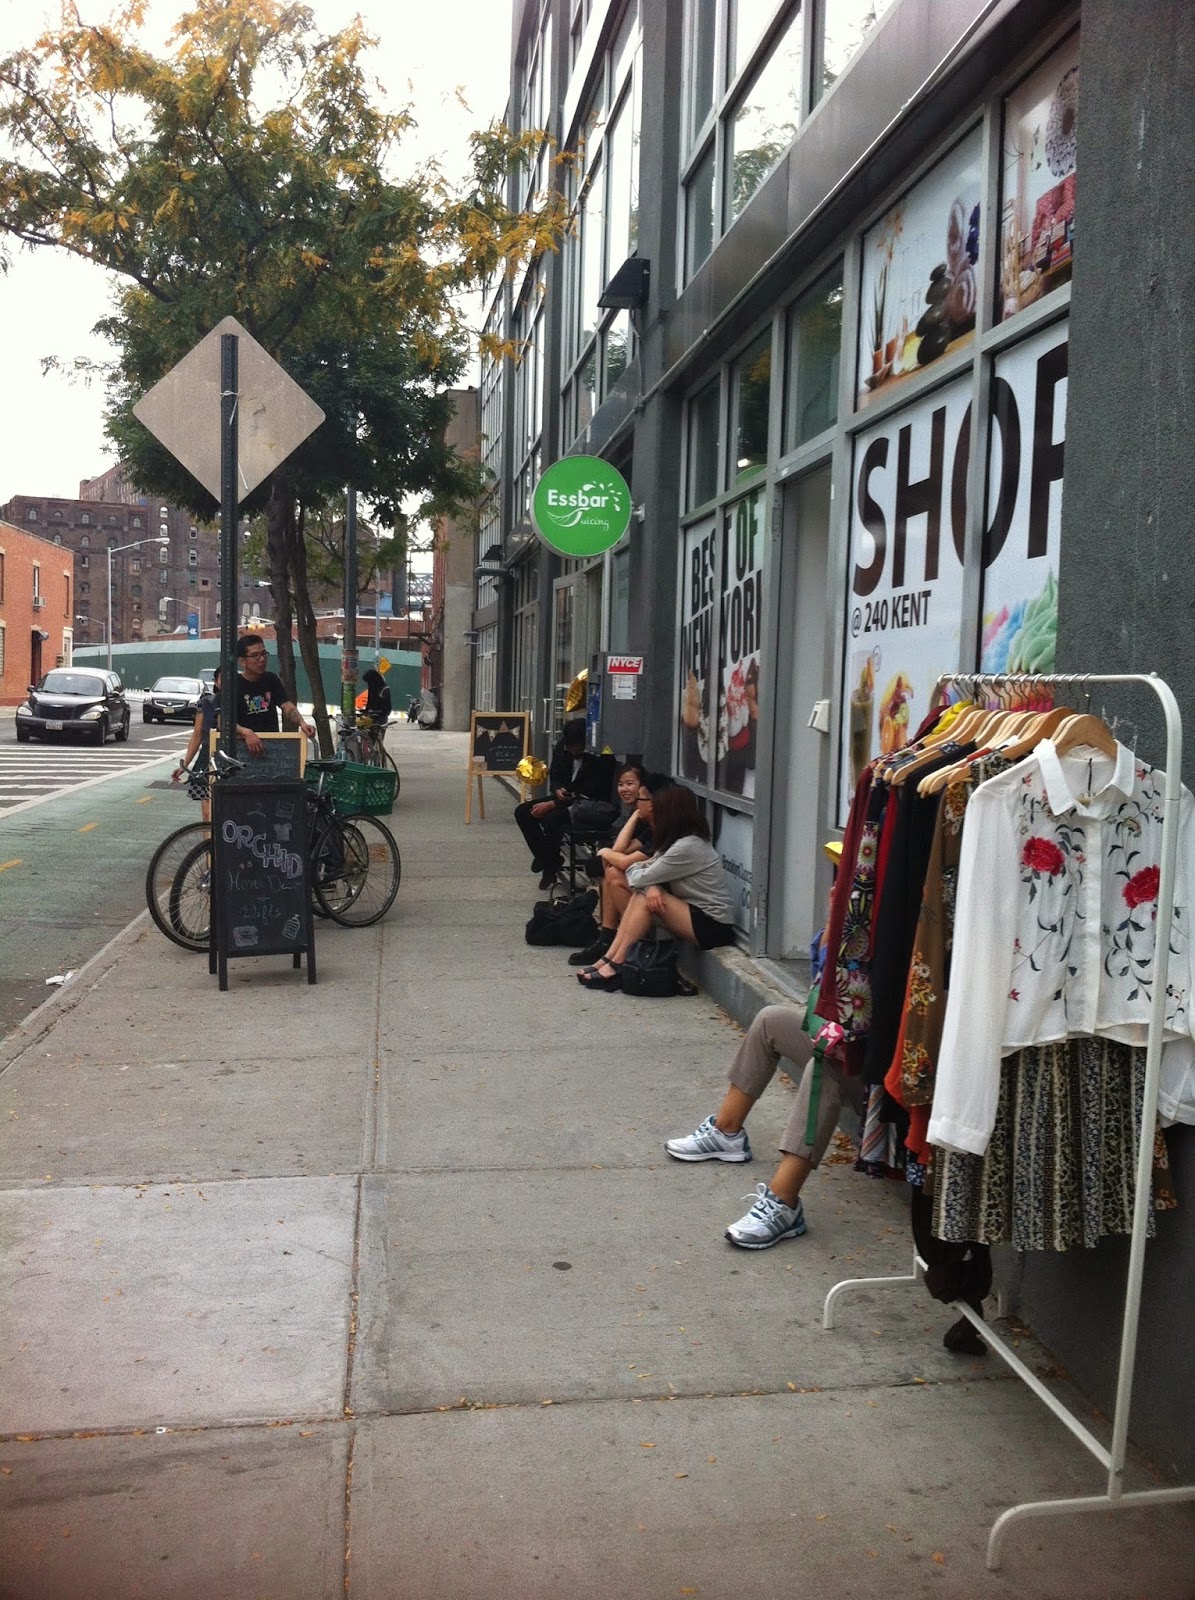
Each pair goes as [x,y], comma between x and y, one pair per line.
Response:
[115,550]
[90,624]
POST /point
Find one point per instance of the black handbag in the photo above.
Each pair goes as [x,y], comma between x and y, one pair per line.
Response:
[650,970]
[569,923]
[592,814]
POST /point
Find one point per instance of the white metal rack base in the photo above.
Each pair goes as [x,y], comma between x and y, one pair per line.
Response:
[1115,1495]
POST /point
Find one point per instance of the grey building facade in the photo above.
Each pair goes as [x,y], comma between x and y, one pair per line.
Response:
[905,396]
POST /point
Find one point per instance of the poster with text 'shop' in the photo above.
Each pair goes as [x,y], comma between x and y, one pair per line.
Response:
[905,586]
[1024,508]
[1039,161]
[918,293]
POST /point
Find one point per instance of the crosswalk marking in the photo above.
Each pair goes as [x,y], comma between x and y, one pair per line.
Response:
[31,777]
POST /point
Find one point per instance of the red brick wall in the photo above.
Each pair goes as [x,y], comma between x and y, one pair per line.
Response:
[21,552]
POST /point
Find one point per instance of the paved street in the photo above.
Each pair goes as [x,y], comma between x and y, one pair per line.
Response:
[40,770]
[385,1287]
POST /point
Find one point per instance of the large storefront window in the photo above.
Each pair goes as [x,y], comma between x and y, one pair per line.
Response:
[751,388]
[704,443]
[698,620]
[739,624]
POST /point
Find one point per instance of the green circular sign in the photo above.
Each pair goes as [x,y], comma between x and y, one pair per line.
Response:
[581,506]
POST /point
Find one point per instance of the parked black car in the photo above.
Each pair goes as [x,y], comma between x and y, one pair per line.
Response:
[76,701]
[172,697]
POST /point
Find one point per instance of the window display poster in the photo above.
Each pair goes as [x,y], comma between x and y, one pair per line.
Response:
[1038,165]
[1024,510]
[917,297]
[904,603]
[739,625]
[733,835]
[698,617]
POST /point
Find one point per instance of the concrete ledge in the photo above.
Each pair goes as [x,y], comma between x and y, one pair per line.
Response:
[739,984]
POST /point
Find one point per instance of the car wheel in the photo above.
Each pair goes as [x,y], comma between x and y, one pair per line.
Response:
[22,734]
[145,716]
[122,733]
[101,731]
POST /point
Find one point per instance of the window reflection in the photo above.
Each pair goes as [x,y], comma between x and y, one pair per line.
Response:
[591,257]
[702,29]
[752,388]
[814,348]
[699,213]
[618,344]
[765,123]
[705,437]
[750,20]
[620,156]
[847,25]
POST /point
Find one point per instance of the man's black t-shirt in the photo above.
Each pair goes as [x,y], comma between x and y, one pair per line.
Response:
[259,705]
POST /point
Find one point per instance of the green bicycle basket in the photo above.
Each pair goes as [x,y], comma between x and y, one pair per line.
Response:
[356,790]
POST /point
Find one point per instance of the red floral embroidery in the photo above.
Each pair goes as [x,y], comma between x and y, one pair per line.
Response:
[1141,887]
[1042,855]
[1014,994]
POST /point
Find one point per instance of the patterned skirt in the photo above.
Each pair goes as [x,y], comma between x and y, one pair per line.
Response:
[1060,1169]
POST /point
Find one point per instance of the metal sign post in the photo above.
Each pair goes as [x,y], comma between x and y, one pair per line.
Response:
[229,368]
[348,649]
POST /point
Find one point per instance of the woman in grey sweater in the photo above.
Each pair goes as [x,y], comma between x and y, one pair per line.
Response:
[683,887]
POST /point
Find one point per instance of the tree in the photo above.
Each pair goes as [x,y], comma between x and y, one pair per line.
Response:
[250,172]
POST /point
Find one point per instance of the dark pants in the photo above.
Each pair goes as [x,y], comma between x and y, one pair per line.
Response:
[543,834]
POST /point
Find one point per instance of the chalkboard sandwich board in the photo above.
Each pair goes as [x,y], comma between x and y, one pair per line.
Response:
[261,874]
[283,759]
[498,741]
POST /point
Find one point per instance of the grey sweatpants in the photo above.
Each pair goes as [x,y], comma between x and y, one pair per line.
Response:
[777,1032]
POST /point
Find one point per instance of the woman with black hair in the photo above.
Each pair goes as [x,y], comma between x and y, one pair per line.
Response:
[611,863]
[683,887]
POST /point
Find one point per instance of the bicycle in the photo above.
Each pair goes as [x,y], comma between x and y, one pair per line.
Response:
[363,741]
[356,866]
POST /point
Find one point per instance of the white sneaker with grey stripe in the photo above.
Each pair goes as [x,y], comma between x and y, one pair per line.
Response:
[768,1221]
[709,1143]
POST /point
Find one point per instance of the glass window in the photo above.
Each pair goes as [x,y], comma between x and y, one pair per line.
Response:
[620,599]
[626,42]
[620,158]
[617,340]
[163,576]
[135,522]
[84,561]
[698,619]
[56,517]
[705,438]
[163,555]
[84,541]
[814,353]
[136,563]
[751,387]
[57,538]
[699,214]
[739,644]
[85,520]
[846,25]
[592,282]
[586,388]
[765,122]
[702,26]
[31,514]
[112,522]
[751,17]
[192,558]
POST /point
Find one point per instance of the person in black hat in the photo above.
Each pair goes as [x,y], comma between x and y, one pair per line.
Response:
[573,774]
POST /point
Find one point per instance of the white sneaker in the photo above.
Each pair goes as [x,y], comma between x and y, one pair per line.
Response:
[709,1143]
[768,1221]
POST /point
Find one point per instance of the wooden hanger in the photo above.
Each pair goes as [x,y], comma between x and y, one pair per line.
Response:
[1034,726]
[1086,730]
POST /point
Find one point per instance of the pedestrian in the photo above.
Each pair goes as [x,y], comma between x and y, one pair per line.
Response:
[797,1034]
[196,760]
[263,704]
[377,700]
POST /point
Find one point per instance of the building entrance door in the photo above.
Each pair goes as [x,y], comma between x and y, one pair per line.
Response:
[798,873]
[576,635]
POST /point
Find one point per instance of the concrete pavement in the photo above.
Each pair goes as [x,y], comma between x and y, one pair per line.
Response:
[388,1284]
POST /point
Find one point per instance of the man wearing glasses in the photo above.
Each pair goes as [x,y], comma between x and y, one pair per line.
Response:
[263,705]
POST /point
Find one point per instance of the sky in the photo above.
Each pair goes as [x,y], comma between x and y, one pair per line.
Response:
[51,427]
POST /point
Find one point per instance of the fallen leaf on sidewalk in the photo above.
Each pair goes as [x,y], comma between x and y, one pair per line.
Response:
[821,1516]
[646,1444]
[939,1558]
[680,1474]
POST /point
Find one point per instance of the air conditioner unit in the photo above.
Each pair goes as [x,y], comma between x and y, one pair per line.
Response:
[39,601]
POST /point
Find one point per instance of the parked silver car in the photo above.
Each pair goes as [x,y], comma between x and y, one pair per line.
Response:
[172,699]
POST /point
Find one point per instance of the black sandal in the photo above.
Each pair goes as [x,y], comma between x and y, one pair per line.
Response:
[593,979]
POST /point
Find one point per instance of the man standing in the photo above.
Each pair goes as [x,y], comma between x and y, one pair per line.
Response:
[263,705]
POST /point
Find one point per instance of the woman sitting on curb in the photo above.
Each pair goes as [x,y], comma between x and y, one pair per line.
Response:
[633,845]
[683,888]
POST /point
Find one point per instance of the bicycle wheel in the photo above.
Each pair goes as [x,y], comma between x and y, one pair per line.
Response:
[190,900]
[388,761]
[357,870]
[160,876]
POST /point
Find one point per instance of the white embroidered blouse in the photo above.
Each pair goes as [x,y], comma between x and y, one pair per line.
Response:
[1054,927]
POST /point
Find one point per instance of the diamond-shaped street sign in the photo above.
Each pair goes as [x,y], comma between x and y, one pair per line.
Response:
[274,415]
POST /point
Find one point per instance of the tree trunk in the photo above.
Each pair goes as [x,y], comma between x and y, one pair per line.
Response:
[308,641]
[280,515]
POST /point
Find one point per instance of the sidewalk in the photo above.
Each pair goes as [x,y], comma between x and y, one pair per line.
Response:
[388,1282]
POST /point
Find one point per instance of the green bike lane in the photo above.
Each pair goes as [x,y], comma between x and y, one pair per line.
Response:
[72,874]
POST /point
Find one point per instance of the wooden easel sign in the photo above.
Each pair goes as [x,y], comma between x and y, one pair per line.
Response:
[498,741]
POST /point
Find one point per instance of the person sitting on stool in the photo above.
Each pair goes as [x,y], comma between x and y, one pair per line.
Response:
[572,775]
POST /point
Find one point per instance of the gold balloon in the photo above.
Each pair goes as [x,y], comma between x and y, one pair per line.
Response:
[532,770]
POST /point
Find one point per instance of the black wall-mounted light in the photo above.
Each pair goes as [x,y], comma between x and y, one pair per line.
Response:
[628,288]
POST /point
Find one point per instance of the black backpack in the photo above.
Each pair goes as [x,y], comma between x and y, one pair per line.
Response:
[567,922]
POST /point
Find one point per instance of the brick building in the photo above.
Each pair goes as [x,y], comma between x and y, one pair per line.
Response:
[37,583]
[154,586]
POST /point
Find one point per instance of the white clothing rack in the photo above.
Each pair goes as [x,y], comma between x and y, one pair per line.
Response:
[1113,1460]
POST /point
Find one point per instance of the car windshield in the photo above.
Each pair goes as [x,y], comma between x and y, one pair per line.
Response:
[176,686]
[71,683]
